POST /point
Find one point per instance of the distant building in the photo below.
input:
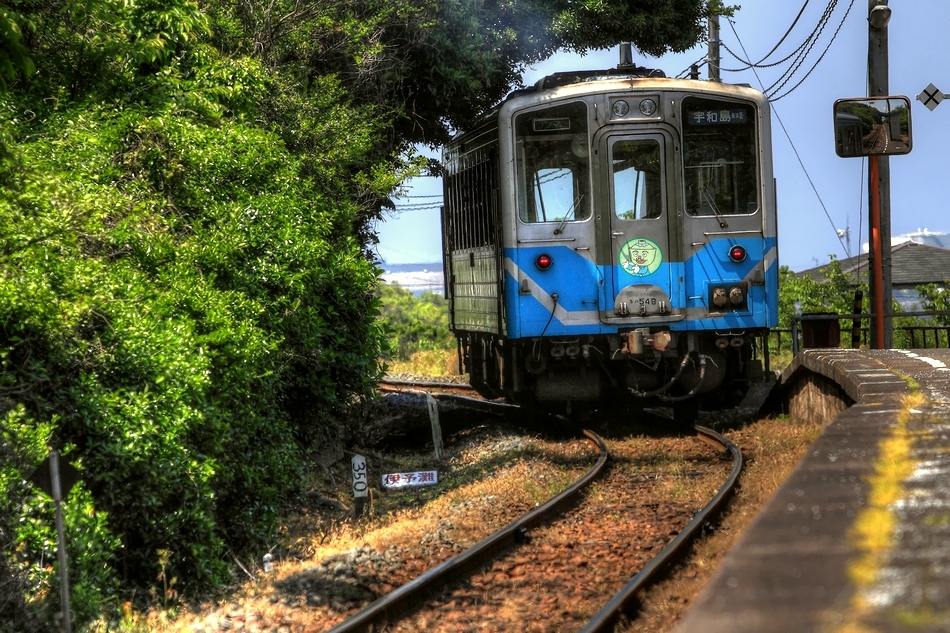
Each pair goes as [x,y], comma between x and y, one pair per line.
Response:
[912,264]
[920,236]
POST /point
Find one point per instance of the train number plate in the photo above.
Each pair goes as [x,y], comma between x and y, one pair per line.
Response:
[643,300]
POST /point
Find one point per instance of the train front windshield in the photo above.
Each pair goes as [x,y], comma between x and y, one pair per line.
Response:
[553,164]
[719,154]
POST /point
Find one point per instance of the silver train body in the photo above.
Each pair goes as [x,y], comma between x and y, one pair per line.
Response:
[611,236]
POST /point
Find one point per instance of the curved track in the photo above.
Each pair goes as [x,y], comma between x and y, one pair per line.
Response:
[463,565]
[416,591]
[605,618]
[389,384]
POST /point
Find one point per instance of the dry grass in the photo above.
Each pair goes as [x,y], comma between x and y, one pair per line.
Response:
[771,448]
[490,482]
[427,363]
[476,510]
[492,478]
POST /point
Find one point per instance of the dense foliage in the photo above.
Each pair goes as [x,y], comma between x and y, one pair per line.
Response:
[187,295]
[430,66]
[937,299]
[800,294]
[834,293]
[414,324]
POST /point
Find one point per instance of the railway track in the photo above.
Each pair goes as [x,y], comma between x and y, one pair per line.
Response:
[393,385]
[444,593]
[459,393]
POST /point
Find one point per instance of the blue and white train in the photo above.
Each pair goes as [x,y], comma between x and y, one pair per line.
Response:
[611,235]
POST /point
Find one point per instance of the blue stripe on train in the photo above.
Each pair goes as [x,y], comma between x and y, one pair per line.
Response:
[580,284]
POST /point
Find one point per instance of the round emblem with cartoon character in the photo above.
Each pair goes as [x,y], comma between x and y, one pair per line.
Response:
[640,257]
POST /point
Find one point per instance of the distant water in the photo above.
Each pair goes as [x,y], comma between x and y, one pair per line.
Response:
[416,278]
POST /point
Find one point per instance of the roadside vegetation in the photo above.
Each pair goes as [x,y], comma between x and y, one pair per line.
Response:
[417,332]
[835,294]
[188,295]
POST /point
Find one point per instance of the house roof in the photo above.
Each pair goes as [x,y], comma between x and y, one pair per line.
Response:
[912,264]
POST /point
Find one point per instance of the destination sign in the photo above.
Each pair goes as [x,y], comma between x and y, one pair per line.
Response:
[718,117]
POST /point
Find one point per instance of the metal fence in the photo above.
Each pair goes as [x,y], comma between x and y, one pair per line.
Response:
[823,330]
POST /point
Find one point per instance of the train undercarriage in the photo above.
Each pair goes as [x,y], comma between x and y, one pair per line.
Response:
[687,371]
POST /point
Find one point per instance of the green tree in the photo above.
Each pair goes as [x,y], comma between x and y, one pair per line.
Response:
[430,67]
[413,323]
[185,306]
[936,299]
[800,294]
[14,56]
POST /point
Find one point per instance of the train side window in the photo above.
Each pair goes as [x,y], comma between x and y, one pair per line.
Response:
[553,164]
[720,157]
[636,179]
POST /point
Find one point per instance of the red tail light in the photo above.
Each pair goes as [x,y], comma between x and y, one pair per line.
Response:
[737,253]
[544,261]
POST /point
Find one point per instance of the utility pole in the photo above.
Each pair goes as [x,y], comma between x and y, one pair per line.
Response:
[879,188]
[714,59]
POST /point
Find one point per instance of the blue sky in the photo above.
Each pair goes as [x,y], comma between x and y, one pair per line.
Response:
[830,193]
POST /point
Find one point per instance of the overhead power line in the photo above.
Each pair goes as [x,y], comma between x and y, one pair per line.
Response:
[403,208]
[771,93]
[758,64]
[795,150]
[797,58]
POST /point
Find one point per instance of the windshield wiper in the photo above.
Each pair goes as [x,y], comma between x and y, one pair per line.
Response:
[712,203]
[568,215]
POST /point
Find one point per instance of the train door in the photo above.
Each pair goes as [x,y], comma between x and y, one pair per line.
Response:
[641,283]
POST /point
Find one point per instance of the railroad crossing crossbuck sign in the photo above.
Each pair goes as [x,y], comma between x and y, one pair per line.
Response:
[931,97]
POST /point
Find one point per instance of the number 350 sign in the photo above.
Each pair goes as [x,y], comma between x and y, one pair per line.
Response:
[360,485]
[360,479]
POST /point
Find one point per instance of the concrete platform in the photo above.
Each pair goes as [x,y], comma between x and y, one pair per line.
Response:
[858,538]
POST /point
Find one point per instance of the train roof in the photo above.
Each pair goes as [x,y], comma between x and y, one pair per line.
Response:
[580,78]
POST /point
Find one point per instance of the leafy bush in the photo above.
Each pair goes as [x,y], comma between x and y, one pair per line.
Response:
[185,317]
[802,294]
[414,324]
[935,299]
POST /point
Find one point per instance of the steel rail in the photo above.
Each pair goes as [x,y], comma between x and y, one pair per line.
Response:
[605,619]
[415,591]
[435,384]
[476,404]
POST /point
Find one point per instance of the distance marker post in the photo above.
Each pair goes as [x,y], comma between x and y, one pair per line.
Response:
[360,485]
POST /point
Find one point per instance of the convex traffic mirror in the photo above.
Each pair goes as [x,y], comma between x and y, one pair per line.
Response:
[872,126]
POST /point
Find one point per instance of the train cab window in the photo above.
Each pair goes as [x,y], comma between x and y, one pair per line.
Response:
[720,157]
[636,179]
[553,152]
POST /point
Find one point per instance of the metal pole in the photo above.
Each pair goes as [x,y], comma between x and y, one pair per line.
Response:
[714,58]
[881,187]
[61,539]
[794,336]
[878,316]
[857,308]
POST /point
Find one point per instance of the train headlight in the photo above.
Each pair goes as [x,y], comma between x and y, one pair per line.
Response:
[736,295]
[620,108]
[647,107]
[737,253]
[543,261]
[719,296]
